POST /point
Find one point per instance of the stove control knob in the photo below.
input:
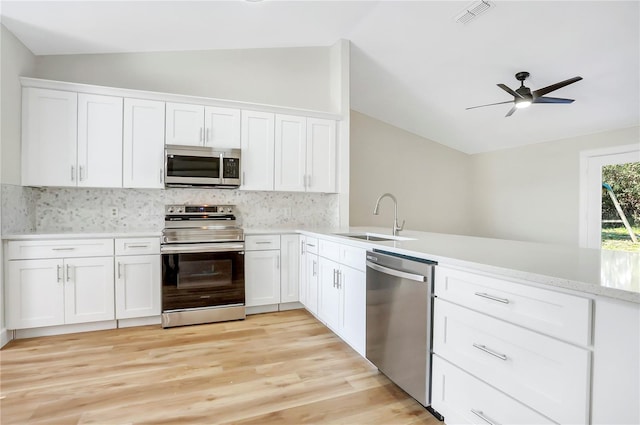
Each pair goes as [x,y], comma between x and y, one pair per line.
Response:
[179,210]
[229,210]
[170,210]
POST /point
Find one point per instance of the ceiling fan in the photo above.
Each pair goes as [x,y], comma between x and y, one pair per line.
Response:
[524,97]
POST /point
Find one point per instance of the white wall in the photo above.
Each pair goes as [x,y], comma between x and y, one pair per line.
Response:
[17,60]
[293,77]
[531,193]
[430,181]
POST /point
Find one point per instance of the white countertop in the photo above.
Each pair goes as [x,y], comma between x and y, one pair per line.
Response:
[97,234]
[613,274]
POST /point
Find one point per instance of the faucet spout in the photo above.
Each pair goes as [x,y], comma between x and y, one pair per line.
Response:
[396,226]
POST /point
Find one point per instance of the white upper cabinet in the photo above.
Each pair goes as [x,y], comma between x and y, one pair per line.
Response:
[305,154]
[291,153]
[257,150]
[199,125]
[49,137]
[71,139]
[222,127]
[143,144]
[185,124]
[321,155]
[99,141]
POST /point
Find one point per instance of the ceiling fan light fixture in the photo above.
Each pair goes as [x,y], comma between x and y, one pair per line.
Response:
[523,103]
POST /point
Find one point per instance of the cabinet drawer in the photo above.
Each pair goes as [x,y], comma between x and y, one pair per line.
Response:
[463,399]
[261,242]
[19,250]
[137,246]
[353,257]
[330,250]
[561,315]
[311,245]
[544,373]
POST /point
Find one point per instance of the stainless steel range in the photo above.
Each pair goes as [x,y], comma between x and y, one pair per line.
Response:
[202,265]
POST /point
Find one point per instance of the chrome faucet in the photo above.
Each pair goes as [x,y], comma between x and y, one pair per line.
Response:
[396,227]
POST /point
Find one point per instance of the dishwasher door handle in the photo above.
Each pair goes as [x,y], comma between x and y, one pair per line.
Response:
[396,273]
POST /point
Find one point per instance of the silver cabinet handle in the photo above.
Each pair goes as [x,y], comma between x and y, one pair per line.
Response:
[138,246]
[490,351]
[493,298]
[81,169]
[58,270]
[63,249]
[263,242]
[161,175]
[335,274]
[73,173]
[301,247]
[119,270]
[481,415]
[311,245]
[68,273]
[243,179]
[396,273]
[278,262]
[314,267]
[339,279]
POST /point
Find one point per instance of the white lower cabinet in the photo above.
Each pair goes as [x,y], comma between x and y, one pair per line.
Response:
[137,286]
[262,277]
[289,264]
[262,270]
[342,292]
[51,292]
[487,363]
[463,399]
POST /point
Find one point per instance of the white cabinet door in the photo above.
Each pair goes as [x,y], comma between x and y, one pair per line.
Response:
[35,293]
[289,254]
[143,144]
[290,153]
[137,286]
[329,297]
[222,127]
[99,141]
[185,124]
[49,137]
[354,304]
[321,155]
[302,271]
[262,277]
[89,291]
[257,150]
[312,282]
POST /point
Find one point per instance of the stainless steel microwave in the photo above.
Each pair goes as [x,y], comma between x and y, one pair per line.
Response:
[192,166]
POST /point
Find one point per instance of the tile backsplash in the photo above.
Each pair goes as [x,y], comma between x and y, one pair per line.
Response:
[46,210]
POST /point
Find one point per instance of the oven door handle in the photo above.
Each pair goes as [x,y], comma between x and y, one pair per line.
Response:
[201,247]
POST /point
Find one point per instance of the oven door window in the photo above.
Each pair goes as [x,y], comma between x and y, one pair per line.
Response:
[193,166]
[197,280]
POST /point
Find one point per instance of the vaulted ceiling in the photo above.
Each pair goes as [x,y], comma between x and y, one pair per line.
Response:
[412,65]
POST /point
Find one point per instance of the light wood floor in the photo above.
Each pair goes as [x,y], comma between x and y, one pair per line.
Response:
[283,368]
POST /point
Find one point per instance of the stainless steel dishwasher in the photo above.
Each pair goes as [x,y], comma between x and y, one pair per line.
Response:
[399,316]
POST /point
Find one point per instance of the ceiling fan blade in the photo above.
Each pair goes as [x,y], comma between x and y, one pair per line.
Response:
[508,90]
[552,100]
[490,104]
[556,86]
[511,111]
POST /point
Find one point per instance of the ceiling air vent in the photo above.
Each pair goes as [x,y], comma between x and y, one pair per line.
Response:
[473,10]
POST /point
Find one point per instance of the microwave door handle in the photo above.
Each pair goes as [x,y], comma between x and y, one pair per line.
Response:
[222,168]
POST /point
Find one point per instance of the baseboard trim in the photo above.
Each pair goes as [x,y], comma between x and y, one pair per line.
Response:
[139,321]
[290,306]
[5,336]
[262,309]
[65,329]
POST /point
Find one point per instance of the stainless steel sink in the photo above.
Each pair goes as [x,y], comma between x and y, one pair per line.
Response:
[374,237]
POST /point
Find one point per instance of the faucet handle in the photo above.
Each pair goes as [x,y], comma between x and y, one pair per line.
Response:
[399,228]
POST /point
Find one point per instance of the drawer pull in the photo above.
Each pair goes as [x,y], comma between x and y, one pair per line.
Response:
[137,246]
[493,298]
[263,242]
[489,351]
[481,415]
[311,245]
[63,249]
[58,269]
